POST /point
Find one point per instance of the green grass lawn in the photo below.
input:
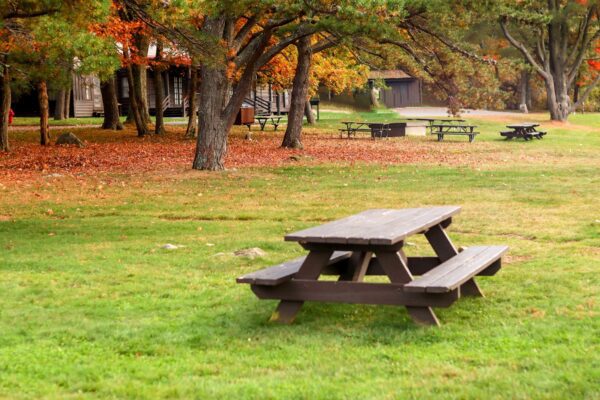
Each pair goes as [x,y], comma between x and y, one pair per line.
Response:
[92,307]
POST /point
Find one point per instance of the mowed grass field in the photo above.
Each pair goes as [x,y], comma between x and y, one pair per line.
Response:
[92,306]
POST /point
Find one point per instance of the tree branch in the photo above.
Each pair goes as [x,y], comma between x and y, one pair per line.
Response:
[585,94]
[521,47]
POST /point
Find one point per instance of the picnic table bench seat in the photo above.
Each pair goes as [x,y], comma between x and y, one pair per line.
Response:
[471,135]
[459,269]
[285,271]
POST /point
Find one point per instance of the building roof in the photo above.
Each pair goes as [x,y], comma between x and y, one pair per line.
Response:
[389,74]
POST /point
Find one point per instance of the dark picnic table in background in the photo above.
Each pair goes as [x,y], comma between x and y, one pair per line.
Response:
[526,131]
[352,127]
[440,121]
[274,120]
[371,243]
[454,129]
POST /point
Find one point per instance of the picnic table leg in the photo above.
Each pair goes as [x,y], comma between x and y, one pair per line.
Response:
[440,137]
[445,250]
[262,124]
[357,267]
[311,269]
[396,268]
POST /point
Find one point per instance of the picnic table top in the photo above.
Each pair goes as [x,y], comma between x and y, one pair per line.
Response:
[453,126]
[376,227]
[522,125]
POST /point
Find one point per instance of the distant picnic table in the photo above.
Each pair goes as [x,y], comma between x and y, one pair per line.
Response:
[526,131]
[439,121]
[352,127]
[454,129]
[371,243]
[274,120]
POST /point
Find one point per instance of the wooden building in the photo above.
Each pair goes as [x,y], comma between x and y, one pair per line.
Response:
[86,98]
[176,84]
[402,90]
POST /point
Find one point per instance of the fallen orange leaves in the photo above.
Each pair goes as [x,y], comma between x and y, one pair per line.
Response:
[29,160]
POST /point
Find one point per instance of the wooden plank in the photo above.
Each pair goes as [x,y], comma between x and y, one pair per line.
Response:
[352,293]
[310,270]
[456,271]
[282,272]
[380,227]
[416,266]
[441,243]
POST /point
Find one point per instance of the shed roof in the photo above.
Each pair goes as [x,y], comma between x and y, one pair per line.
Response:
[389,74]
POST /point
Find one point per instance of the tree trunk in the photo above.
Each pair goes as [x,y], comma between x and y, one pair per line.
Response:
[192,127]
[67,103]
[374,92]
[293,132]
[159,92]
[142,127]
[523,91]
[213,127]
[141,89]
[59,107]
[44,113]
[108,88]
[5,100]
[308,113]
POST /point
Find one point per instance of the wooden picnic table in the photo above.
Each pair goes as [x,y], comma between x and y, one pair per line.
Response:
[275,120]
[352,127]
[454,129]
[440,121]
[371,243]
[526,131]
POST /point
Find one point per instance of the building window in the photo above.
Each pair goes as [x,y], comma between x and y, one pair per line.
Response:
[177,90]
[88,91]
[124,88]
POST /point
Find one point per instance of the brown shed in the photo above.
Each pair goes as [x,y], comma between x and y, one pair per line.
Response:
[402,89]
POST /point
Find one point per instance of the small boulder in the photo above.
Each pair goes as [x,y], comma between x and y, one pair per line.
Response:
[251,253]
[170,246]
[69,138]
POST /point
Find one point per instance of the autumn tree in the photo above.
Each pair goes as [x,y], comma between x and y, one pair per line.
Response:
[12,16]
[555,37]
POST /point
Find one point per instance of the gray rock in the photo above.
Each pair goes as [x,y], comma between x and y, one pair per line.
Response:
[69,138]
[251,253]
[170,246]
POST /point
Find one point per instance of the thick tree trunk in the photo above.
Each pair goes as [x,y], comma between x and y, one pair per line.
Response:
[159,96]
[142,127]
[159,91]
[67,107]
[108,88]
[308,113]
[374,93]
[5,100]
[523,86]
[59,107]
[192,127]
[141,89]
[44,113]
[293,132]
[213,125]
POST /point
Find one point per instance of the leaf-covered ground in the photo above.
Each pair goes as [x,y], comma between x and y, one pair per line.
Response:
[115,152]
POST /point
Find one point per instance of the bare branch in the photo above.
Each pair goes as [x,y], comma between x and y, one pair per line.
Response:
[521,47]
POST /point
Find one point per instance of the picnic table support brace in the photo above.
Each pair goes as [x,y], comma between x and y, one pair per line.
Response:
[396,269]
[445,250]
[311,269]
